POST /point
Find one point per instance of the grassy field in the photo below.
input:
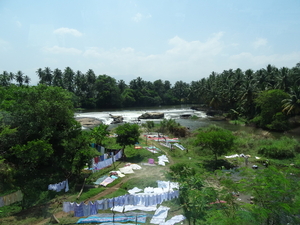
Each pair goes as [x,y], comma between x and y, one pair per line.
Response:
[200,159]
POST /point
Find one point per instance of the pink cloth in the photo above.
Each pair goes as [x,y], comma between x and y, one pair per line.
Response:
[151,161]
[107,181]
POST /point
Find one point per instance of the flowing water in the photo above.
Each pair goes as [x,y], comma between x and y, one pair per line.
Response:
[171,112]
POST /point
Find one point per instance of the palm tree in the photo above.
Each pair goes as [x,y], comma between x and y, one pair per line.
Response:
[57,78]
[11,76]
[4,79]
[68,78]
[291,105]
[48,76]
[284,79]
[41,75]
[27,80]
[247,93]
[90,83]
[19,77]
[272,76]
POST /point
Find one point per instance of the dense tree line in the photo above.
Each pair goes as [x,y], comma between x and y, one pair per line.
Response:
[240,93]
[40,141]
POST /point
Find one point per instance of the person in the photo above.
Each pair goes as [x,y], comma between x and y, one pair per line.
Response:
[267,163]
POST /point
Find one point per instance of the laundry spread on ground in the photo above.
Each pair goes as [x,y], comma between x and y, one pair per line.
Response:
[100,180]
[124,217]
[160,215]
[162,159]
[179,146]
[127,208]
[107,181]
[237,155]
[174,220]
[129,167]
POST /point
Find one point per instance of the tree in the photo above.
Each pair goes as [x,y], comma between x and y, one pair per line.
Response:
[276,195]
[291,105]
[19,77]
[269,106]
[217,139]
[68,79]
[128,134]
[48,145]
[57,78]
[99,133]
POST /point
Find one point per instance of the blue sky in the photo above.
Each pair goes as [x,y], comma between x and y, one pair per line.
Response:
[154,39]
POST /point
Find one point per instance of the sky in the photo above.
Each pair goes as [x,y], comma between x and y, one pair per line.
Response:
[153,39]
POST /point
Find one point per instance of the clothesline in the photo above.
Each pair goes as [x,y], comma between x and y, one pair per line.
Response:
[82,209]
[104,161]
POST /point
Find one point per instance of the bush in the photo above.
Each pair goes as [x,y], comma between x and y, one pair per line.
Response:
[283,148]
[182,169]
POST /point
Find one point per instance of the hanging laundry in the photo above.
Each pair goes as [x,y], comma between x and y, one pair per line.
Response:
[59,186]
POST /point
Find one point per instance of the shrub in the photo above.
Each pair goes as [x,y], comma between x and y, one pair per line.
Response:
[283,148]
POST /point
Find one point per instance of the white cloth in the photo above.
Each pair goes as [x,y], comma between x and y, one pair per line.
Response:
[127,208]
[231,156]
[135,166]
[59,186]
[126,170]
[162,159]
[167,184]
[148,190]
[160,215]
[134,190]
[173,220]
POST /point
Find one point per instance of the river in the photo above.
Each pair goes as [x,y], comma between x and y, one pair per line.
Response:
[171,112]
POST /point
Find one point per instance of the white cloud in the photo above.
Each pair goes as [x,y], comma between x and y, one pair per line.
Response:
[65,30]
[248,60]
[137,18]
[184,60]
[182,48]
[62,50]
[260,42]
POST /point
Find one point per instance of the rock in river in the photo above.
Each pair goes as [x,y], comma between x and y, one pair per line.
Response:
[152,115]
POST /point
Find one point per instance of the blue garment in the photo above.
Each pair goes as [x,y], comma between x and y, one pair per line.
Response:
[102,158]
[78,210]
[93,208]
[99,204]
[86,209]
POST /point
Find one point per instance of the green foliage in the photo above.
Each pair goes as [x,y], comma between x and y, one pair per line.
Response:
[148,125]
[217,139]
[172,127]
[99,133]
[90,193]
[270,106]
[182,170]
[276,195]
[278,149]
[47,144]
[141,183]
[128,134]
